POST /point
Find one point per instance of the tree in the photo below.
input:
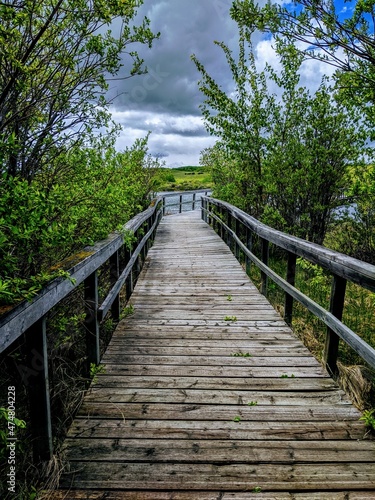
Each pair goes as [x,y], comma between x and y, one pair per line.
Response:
[241,120]
[54,59]
[40,227]
[286,157]
[344,41]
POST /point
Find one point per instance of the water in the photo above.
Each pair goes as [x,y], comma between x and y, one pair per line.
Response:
[172,201]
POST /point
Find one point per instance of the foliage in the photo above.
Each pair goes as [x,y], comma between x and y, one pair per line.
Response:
[283,160]
[41,225]
[343,40]
[242,122]
[95,370]
[354,230]
[7,420]
[368,417]
[54,60]
[230,318]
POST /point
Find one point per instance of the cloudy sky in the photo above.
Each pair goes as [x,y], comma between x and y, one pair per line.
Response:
[166,100]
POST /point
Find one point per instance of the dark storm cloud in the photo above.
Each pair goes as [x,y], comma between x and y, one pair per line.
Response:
[186,27]
[166,100]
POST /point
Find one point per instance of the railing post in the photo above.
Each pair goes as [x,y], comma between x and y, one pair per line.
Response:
[336,308]
[237,231]
[290,277]
[91,321]
[229,237]
[35,377]
[164,203]
[265,258]
[193,203]
[221,223]
[215,222]
[204,210]
[138,260]
[249,246]
[180,208]
[114,274]
[129,281]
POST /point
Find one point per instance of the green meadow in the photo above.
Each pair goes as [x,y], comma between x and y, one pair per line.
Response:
[184,178]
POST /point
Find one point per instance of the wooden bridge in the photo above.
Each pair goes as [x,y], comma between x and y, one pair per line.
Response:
[207,393]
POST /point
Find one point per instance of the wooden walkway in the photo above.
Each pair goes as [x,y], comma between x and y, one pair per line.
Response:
[208,395]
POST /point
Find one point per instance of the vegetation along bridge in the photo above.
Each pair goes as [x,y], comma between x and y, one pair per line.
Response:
[206,392]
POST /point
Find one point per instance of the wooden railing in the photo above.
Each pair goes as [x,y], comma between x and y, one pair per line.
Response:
[237,229]
[185,200]
[28,320]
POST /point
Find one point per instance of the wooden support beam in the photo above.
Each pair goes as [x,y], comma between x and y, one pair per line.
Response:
[35,377]
[332,339]
[290,277]
[91,321]
[114,275]
[265,258]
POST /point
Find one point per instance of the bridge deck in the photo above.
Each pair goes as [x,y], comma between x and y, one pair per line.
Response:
[193,405]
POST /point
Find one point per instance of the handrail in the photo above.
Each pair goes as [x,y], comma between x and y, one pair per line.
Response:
[342,267]
[29,319]
[23,316]
[181,202]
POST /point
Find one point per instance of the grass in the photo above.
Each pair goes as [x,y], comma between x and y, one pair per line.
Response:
[184,178]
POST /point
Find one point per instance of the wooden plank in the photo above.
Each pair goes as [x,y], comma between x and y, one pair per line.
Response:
[175,411]
[198,360]
[191,396]
[244,430]
[272,325]
[273,384]
[240,477]
[258,348]
[206,495]
[199,451]
[248,373]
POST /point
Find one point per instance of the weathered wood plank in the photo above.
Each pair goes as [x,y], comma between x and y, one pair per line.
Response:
[206,495]
[240,477]
[259,413]
[261,348]
[191,396]
[214,371]
[197,360]
[234,348]
[267,384]
[270,324]
[227,451]
[244,430]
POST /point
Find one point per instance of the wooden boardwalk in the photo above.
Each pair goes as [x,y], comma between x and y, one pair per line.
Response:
[208,395]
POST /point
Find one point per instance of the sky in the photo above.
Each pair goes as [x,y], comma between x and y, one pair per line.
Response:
[166,100]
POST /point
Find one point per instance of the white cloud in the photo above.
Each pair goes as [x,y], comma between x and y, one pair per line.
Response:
[177,139]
